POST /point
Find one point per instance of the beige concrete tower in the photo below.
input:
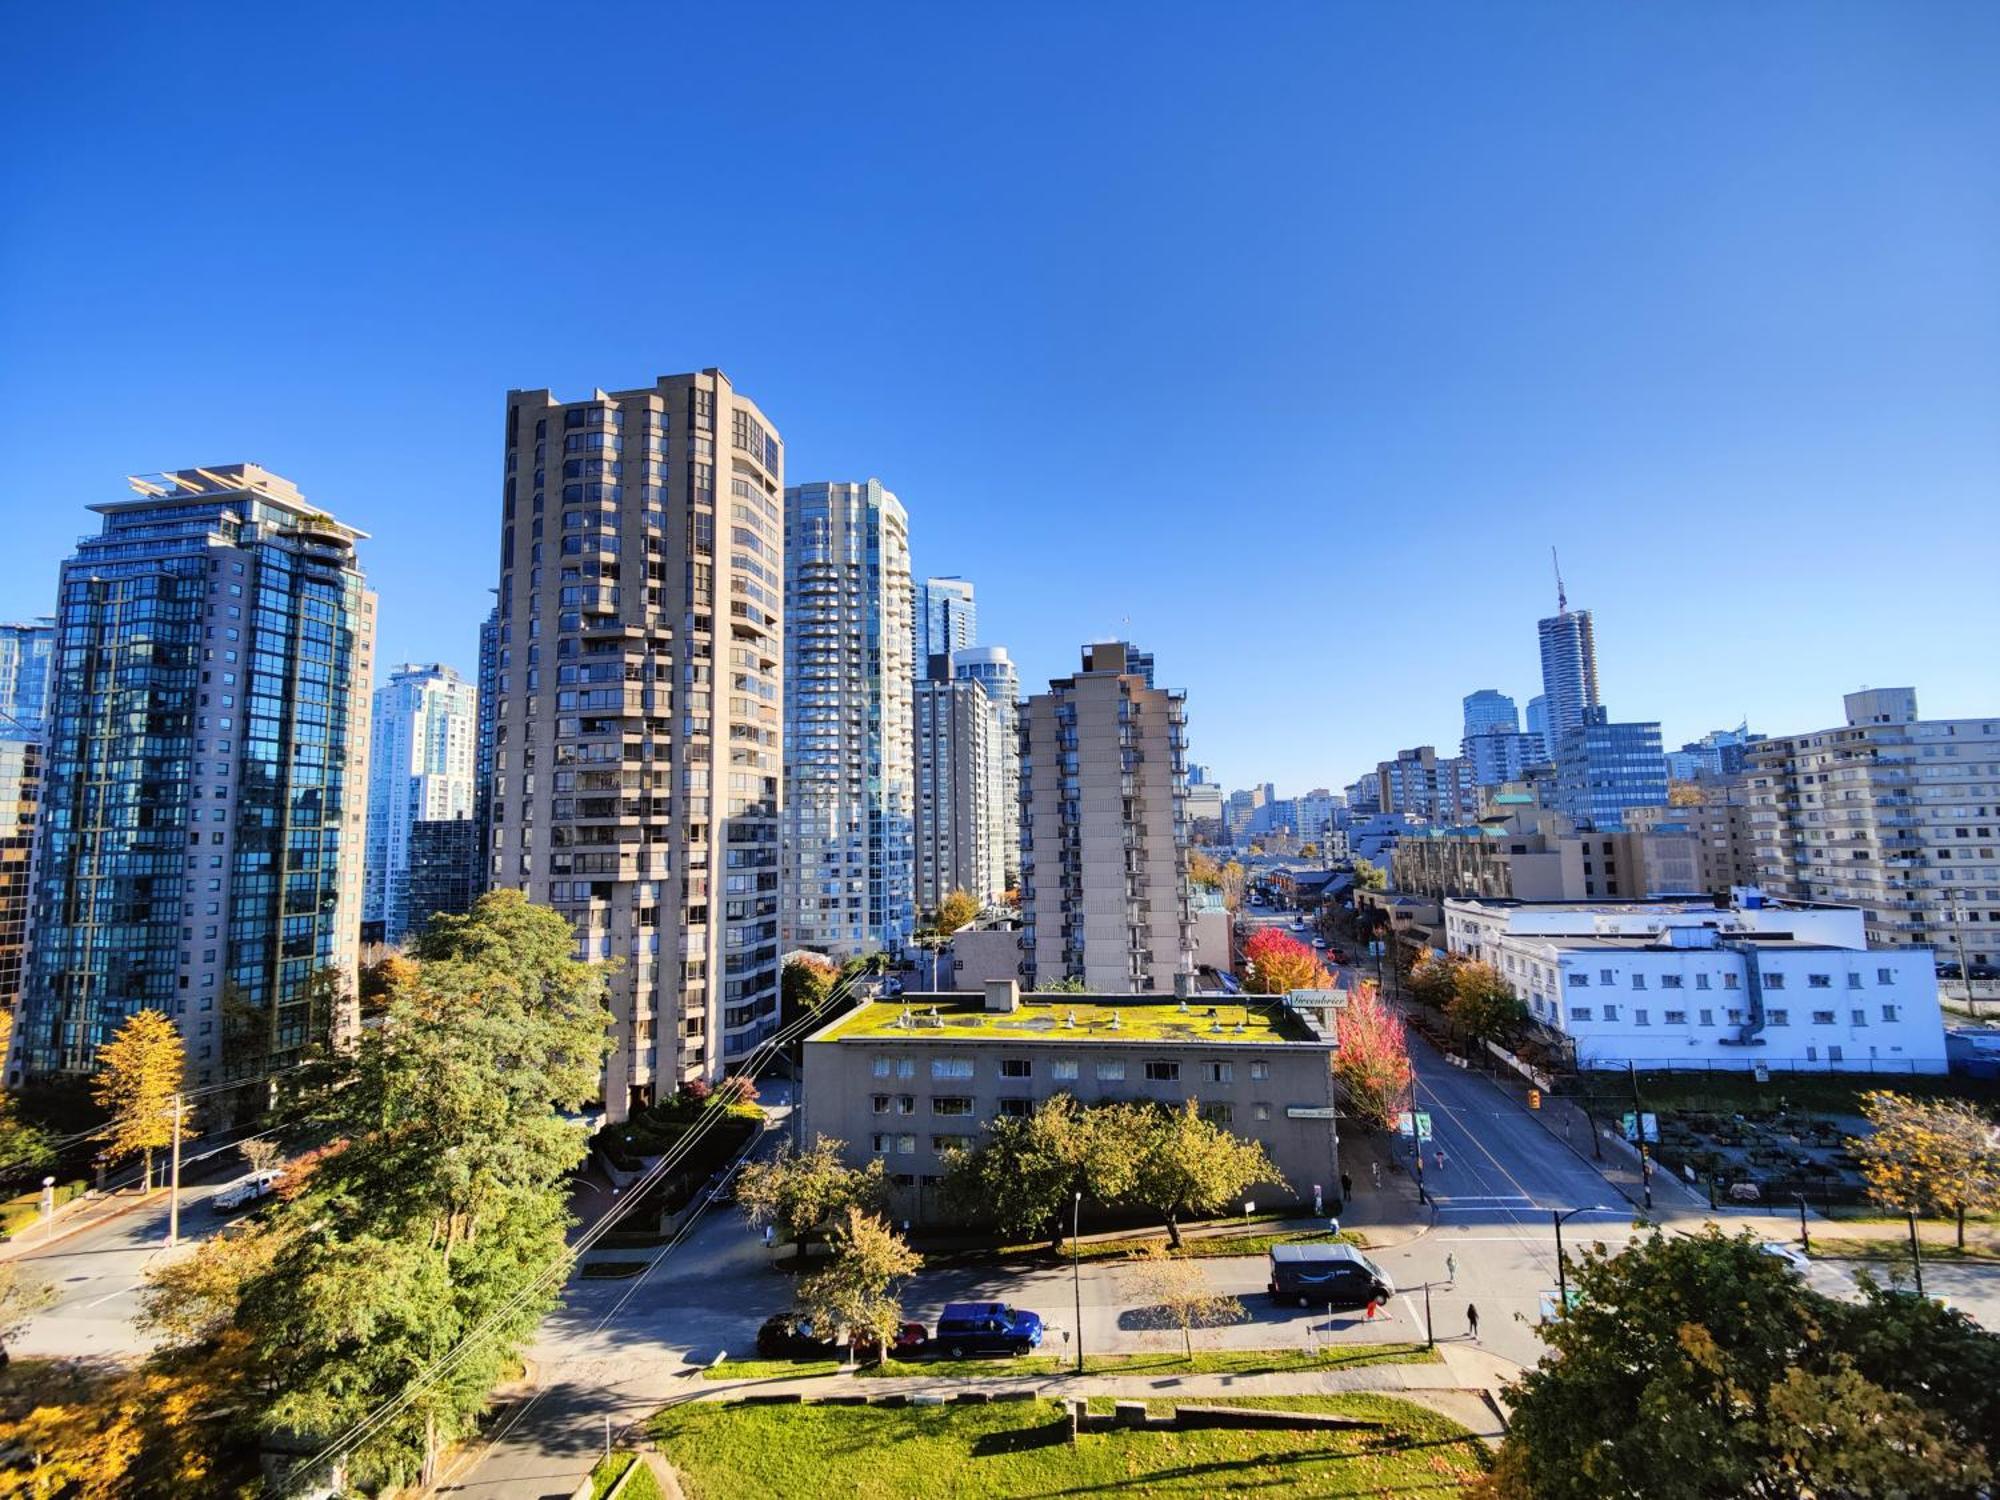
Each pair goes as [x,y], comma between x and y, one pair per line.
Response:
[1104,891]
[638,718]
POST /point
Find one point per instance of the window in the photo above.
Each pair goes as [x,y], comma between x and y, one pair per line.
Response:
[1771,1017]
[1676,1018]
[1610,1012]
[1163,1072]
[1822,1018]
[881,1104]
[1017,1109]
[951,1104]
[1857,1017]
[1607,976]
[1218,1114]
[1853,981]
[1261,1111]
[1111,1072]
[1015,1067]
[1888,1012]
[1729,981]
[879,1144]
[1819,981]
[944,1143]
[906,1104]
[1579,980]
[1701,981]
[1259,1071]
[1774,981]
[951,1067]
[1885,976]
[1642,1017]
[1707,1017]
[895,1067]
[1579,1012]
[1670,981]
[1638,981]
[1063,1069]
[906,1145]
[1218,1072]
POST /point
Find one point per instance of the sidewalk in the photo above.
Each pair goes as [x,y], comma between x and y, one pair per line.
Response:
[74,1218]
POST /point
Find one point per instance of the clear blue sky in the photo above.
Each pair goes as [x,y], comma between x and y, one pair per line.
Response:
[1284,339]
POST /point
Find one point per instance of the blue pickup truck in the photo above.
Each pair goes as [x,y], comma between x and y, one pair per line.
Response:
[967,1328]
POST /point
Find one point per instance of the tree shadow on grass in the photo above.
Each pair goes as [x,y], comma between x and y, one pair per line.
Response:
[1054,1434]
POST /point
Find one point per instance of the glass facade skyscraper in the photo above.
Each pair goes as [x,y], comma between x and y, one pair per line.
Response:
[420,769]
[944,618]
[1603,769]
[201,827]
[25,650]
[1490,711]
[993,669]
[1569,670]
[850,808]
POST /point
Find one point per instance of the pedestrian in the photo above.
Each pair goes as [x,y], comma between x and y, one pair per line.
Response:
[1440,1158]
[1374,1304]
[768,1235]
[1334,1225]
[1451,1267]
[1376,1168]
[1346,1187]
[1472,1321]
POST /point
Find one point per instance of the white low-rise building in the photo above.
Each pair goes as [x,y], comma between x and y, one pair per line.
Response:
[1665,983]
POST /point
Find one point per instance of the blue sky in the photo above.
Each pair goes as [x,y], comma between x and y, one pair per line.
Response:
[1283,339]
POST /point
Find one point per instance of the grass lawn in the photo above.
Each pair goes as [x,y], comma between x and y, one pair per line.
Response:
[1019,1449]
[1738,1093]
[770,1369]
[1897,1248]
[1038,1366]
[1207,1246]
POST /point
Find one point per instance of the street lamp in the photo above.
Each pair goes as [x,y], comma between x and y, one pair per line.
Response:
[1916,1255]
[1562,1269]
[1805,1235]
[1076,1273]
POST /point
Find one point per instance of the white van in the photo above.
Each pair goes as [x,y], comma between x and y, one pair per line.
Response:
[247,1190]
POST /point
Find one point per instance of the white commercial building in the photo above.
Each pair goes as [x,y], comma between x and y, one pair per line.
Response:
[1662,983]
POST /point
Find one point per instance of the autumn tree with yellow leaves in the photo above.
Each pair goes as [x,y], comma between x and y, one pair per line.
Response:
[140,1074]
[1929,1156]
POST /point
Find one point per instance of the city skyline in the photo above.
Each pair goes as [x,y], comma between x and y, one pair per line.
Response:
[1810,350]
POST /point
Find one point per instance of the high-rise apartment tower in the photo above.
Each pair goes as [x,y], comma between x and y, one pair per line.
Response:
[421,768]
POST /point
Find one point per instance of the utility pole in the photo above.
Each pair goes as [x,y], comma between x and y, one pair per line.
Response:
[1916,1255]
[174,1186]
[1958,932]
[1639,1129]
[1076,1273]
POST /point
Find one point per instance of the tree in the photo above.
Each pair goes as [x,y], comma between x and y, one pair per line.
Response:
[802,1192]
[442,1210]
[804,984]
[1684,794]
[1067,984]
[260,1153]
[1928,1156]
[140,1073]
[1234,879]
[1204,871]
[954,911]
[1309,850]
[1183,1164]
[853,1300]
[1369,876]
[1695,1366]
[1434,981]
[1179,1288]
[1372,1061]
[1024,1174]
[380,979]
[1276,963]
[1483,1005]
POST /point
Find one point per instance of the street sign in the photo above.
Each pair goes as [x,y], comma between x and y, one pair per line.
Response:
[1406,1123]
[1649,1127]
[1313,1112]
[1637,1127]
[1423,1126]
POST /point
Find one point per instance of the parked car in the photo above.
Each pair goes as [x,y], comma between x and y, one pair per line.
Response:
[1794,1258]
[910,1341]
[1947,971]
[788,1336]
[1985,971]
[968,1328]
[245,1191]
[1319,942]
[1327,1276]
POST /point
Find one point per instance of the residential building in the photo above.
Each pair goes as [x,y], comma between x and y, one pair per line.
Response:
[1490,711]
[205,787]
[25,653]
[992,669]
[959,837]
[944,619]
[1569,670]
[1416,782]
[1104,894]
[1204,810]
[444,869]
[422,767]
[1726,852]
[1240,809]
[1664,984]
[1520,853]
[1603,769]
[1315,812]
[1364,795]
[1896,814]
[639,712]
[1717,753]
[488,698]
[849,772]
[908,1081]
[1501,755]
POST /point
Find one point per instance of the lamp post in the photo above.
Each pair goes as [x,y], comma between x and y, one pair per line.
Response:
[1805,1235]
[1562,1266]
[1916,1254]
[1639,1126]
[1076,1273]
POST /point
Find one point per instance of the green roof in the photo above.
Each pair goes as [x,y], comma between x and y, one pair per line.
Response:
[1060,1018]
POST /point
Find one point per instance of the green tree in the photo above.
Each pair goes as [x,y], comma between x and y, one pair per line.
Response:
[854,1299]
[1065,985]
[1928,1156]
[1184,1165]
[801,1193]
[1204,871]
[804,984]
[1179,1288]
[1369,876]
[1434,981]
[140,1073]
[1694,1366]
[1024,1174]
[1483,1005]
[441,1210]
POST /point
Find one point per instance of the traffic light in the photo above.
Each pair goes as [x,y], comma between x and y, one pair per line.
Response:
[1534,1098]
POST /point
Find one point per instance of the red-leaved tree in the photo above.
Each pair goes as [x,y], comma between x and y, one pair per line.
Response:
[1373,1061]
[1282,963]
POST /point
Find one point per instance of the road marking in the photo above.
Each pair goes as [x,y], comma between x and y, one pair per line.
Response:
[111,1296]
[1411,1308]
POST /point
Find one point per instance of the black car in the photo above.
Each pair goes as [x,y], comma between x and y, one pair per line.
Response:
[785,1337]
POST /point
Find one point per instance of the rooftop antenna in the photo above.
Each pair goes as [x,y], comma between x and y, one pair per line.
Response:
[1562,599]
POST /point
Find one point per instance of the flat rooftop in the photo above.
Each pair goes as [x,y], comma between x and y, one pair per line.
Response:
[1067,1019]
